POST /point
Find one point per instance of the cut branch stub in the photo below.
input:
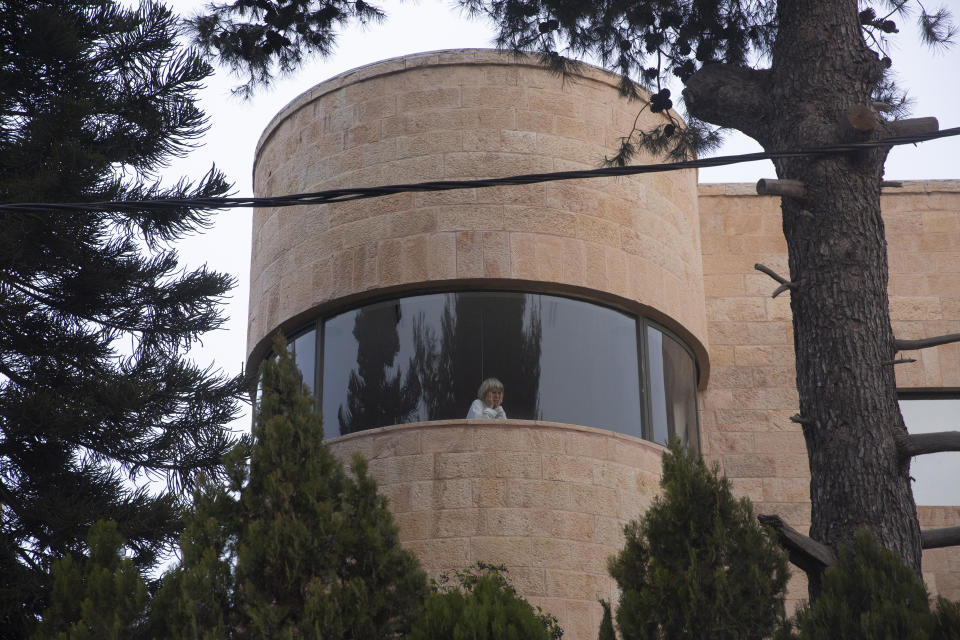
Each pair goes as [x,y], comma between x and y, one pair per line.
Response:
[918,444]
[924,343]
[798,419]
[937,538]
[889,363]
[805,552]
[913,126]
[789,188]
[858,121]
[784,283]
[781,289]
[882,106]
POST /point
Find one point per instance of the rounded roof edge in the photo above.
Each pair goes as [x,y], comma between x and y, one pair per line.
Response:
[438,58]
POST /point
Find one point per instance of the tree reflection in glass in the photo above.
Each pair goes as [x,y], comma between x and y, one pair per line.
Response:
[423,357]
[481,335]
[377,393]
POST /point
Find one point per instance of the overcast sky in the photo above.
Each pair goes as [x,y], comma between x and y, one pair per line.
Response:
[413,27]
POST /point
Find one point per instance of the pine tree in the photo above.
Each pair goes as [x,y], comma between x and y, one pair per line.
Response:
[482,605]
[790,75]
[697,564]
[294,546]
[95,313]
[100,597]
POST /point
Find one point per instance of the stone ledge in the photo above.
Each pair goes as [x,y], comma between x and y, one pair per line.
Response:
[479,424]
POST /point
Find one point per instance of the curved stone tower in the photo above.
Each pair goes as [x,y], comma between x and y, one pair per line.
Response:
[590,272]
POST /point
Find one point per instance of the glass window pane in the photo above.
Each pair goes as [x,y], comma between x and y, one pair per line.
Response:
[659,428]
[673,393]
[305,355]
[424,357]
[588,371]
[935,474]
[368,382]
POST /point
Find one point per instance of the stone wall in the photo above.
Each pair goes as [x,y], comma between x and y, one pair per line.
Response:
[752,393]
[547,500]
[459,115]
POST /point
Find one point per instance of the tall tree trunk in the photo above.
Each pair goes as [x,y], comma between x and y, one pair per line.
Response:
[838,264]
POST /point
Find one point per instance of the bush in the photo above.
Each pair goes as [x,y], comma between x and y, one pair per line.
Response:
[869,595]
[698,564]
[946,625]
[481,605]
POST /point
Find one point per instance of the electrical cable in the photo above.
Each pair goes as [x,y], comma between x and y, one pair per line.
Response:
[359,193]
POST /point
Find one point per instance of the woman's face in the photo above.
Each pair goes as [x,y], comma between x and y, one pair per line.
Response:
[493,398]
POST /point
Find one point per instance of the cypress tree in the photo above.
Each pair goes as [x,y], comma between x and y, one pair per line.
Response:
[95,313]
[294,546]
[197,598]
[697,564]
[947,620]
[100,597]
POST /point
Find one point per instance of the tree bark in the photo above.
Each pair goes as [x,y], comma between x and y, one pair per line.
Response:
[838,260]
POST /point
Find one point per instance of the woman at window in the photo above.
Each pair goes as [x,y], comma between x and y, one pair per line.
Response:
[489,402]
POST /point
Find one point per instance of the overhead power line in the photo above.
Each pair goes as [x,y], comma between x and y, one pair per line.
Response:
[359,193]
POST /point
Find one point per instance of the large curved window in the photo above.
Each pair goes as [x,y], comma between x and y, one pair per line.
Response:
[423,358]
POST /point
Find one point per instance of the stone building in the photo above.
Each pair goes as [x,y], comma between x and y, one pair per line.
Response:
[618,312]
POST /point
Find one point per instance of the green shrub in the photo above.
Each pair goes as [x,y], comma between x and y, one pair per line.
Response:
[294,546]
[946,625]
[698,564]
[481,605]
[869,595]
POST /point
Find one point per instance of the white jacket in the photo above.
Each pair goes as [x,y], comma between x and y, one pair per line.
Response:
[479,410]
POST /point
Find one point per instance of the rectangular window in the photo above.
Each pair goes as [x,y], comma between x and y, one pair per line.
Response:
[936,477]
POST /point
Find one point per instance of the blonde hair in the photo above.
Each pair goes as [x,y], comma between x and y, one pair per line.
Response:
[490,384]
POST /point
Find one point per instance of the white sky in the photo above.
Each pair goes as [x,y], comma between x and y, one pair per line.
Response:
[412,27]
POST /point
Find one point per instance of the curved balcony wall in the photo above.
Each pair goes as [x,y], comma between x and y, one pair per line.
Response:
[547,500]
